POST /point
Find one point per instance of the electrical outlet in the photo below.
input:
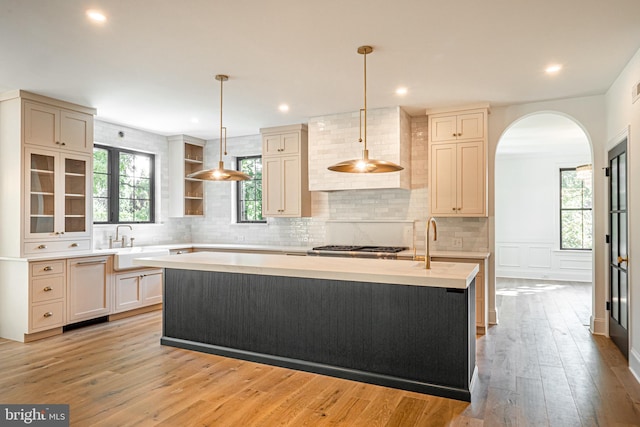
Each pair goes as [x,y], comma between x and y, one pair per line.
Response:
[457,242]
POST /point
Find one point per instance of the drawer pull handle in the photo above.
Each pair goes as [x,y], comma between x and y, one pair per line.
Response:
[48,268]
[42,247]
[48,314]
[74,245]
[103,261]
[48,289]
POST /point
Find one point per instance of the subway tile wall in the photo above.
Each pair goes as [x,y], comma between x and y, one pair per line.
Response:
[218,225]
[166,230]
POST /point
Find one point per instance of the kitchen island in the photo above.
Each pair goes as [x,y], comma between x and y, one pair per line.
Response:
[385,322]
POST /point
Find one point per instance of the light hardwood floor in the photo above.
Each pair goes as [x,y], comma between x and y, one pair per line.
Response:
[539,367]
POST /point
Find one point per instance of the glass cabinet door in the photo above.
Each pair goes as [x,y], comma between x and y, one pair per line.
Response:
[42,194]
[75,195]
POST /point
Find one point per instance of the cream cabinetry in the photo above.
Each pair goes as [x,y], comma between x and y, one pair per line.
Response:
[88,288]
[457,127]
[57,198]
[482,281]
[54,127]
[458,163]
[46,295]
[137,289]
[186,195]
[45,169]
[285,187]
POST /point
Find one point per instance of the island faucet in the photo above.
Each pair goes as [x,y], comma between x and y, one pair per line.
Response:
[427,257]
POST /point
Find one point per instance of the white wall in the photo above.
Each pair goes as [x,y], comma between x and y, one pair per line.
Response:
[527,218]
[588,112]
[621,117]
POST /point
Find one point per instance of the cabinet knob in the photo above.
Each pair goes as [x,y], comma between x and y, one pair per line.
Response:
[42,247]
[48,289]
[74,245]
[454,134]
[460,134]
[453,208]
[48,268]
[48,314]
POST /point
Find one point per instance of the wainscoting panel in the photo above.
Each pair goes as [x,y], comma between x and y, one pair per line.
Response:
[539,260]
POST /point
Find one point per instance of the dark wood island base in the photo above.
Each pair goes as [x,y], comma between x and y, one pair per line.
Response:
[416,338]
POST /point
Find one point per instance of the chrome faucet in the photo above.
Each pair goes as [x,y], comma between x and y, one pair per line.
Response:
[123,242]
[427,257]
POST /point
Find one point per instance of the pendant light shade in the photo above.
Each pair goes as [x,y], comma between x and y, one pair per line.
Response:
[220,173]
[365,164]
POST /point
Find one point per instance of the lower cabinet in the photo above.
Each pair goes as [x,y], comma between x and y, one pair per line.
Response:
[482,281]
[88,288]
[137,289]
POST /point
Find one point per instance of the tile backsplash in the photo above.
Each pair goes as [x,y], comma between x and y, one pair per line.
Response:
[218,226]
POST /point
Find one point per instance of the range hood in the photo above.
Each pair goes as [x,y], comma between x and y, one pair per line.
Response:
[334,137]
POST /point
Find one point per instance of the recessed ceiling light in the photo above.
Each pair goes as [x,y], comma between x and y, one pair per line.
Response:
[552,69]
[401,91]
[283,107]
[195,120]
[96,16]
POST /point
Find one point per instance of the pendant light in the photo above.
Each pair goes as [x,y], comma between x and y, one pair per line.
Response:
[220,173]
[365,164]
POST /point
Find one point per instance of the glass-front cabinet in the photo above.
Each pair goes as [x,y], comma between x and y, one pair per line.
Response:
[57,203]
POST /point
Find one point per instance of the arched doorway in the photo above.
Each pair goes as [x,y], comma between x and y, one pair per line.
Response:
[543,230]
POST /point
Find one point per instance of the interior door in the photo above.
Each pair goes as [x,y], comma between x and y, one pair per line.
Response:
[618,255]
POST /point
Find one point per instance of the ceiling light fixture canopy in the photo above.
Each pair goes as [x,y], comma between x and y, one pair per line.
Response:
[220,173]
[365,164]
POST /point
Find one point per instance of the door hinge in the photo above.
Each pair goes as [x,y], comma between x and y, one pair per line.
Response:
[608,306]
[607,239]
[606,171]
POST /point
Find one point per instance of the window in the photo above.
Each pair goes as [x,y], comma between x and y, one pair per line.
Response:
[250,192]
[576,215]
[123,186]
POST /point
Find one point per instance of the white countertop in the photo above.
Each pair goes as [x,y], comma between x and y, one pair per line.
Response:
[442,274]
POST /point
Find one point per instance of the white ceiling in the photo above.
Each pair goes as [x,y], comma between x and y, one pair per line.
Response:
[152,64]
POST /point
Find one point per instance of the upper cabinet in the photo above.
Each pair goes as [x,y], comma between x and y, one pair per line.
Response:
[285,187]
[186,195]
[458,162]
[457,127]
[54,127]
[46,145]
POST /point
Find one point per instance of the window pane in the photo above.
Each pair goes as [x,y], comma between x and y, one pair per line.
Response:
[133,175]
[125,214]
[100,210]
[250,192]
[575,211]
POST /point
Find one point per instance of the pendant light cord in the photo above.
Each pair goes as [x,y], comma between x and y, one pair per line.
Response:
[225,148]
[365,100]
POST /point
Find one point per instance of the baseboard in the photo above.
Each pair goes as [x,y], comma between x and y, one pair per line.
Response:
[598,326]
[135,311]
[493,317]
[634,364]
[544,275]
[40,335]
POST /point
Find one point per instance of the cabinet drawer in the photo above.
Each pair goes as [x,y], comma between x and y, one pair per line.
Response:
[47,315]
[48,247]
[47,268]
[47,288]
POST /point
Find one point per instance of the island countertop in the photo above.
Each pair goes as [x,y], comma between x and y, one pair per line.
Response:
[401,272]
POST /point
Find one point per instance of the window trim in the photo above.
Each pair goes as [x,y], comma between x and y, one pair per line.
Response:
[561,210]
[114,184]
[238,215]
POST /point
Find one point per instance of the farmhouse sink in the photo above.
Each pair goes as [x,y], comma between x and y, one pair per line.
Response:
[123,258]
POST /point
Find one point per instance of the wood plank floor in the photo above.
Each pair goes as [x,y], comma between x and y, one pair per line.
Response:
[539,367]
